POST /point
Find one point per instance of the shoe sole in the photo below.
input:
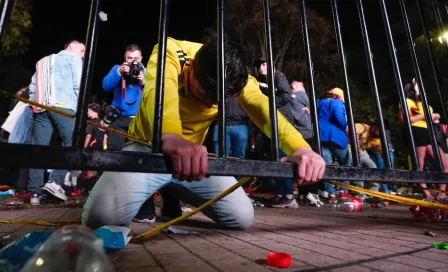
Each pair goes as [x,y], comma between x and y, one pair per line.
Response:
[53,193]
[292,205]
[144,220]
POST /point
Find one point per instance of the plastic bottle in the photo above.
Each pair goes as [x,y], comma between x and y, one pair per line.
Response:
[71,249]
[347,204]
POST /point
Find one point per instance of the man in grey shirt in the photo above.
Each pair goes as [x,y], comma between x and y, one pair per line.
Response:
[301,110]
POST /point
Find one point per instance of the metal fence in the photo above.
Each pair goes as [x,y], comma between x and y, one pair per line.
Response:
[30,156]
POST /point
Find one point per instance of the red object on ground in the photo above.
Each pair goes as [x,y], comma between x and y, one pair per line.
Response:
[76,192]
[23,195]
[279,259]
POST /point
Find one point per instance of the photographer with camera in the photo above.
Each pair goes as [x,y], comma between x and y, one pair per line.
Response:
[127,80]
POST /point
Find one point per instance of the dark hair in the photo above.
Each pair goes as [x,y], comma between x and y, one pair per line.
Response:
[409,89]
[236,59]
[95,107]
[67,44]
[132,48]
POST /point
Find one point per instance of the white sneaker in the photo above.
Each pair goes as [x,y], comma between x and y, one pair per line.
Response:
[55,190]
[323,194]
[35,199]
[314,200]
[144,220]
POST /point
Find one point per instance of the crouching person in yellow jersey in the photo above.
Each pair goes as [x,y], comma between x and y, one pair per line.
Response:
[190,106]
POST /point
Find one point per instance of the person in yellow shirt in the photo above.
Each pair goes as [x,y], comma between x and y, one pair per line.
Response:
[190,106]
[420,131]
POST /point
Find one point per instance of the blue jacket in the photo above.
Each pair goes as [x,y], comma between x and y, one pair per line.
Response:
[67,79]
[332,121]
[133,94]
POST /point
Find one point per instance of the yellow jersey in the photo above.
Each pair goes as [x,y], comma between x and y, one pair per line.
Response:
[416,108]
[185,115]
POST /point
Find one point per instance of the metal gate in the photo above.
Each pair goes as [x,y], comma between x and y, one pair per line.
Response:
[33,156]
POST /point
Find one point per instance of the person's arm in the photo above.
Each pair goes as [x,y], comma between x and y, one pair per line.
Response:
[171,123]
[256,105]
[283,90]
[89,132]
[76,67]
[32,88]
[112,79]
[339,114]
[87,140]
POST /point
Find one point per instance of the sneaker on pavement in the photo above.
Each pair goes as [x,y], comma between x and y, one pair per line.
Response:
[35,199]
[55,190]
[285,202]
[144,220]
[323,194]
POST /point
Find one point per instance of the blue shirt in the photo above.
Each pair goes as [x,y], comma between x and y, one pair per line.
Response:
[67,79]
[332,121]
[127,102]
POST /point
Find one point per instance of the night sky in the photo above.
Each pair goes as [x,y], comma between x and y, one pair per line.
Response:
[57,21]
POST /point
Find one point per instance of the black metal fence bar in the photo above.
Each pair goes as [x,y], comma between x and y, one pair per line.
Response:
[421,86]
[373,83]
[160,78]
[270,80]
[221,83]
[310,74]
[33,156]
[432,59]
[348,101]
[398,79]
[45,157]
[79,130]
[438,14]
[5,11]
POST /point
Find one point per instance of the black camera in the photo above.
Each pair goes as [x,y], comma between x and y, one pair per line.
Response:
[135,68]
[112,114]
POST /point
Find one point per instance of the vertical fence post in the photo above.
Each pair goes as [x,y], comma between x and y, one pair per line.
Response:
[435,67]
[79,130]
[404,108]
[310,74]
[160,78]
[439,19]
[428,118]
[221,84]
[5,14]
[348,100]
[270,81]
[373,83]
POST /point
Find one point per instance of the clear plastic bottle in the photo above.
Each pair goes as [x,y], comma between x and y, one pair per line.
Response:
[70,249]
[347,204]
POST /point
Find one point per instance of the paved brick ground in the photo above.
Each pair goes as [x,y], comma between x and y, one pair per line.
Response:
[318,239]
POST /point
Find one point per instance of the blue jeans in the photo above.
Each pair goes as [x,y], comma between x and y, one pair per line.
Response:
[283,186]
[379,161]
[44,125]
[237,138]
[113,201]
[344,159]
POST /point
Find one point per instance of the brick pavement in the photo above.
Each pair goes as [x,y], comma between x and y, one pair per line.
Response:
[319,239]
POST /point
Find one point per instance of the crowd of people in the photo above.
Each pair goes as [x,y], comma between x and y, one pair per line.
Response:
[190,111]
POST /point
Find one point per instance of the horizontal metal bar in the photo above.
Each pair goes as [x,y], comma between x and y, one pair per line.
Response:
[33,156]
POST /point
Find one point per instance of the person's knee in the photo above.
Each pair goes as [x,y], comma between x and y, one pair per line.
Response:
[244,217]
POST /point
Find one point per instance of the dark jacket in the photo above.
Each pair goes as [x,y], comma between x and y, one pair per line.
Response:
[235,115]
[282,94]
[302,119]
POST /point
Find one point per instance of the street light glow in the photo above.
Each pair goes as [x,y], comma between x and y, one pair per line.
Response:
[443,36]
